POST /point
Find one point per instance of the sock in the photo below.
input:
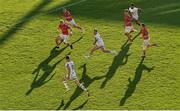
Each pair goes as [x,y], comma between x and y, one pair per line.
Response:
[71,46]
[82,87]
[66,85]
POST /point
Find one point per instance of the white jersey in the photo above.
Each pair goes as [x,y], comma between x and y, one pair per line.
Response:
[134,12]
[72,70]
[99,40]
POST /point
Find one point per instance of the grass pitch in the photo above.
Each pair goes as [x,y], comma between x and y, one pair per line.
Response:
[31,70]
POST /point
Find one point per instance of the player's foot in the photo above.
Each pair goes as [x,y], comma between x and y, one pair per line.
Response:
[67,90]
[143,55]
[87,56]
[130,41]
[133,30]
[71,46]
[156,45]
[88,93]
[82,30]
[114,52]
[57,47]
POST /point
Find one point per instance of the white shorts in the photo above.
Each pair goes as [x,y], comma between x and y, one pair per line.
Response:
[72,76]
[135,17]
[72,22]
[64,37]
[128,29]
[146,43]
[100,44]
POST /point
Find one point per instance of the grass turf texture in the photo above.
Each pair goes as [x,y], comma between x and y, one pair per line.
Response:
[31,71]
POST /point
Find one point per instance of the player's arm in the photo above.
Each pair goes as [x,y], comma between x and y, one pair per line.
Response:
[139,10]
[68,70]
[58,29]
[70,30]
[94,41]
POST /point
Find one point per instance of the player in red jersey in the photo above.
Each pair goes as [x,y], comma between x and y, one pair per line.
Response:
[146,39]
[63,28]
[70,20]
[128,25]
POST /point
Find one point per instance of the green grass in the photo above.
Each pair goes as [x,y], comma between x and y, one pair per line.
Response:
[125,81]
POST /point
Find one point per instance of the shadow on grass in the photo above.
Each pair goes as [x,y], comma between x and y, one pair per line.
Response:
[81,106]
[133,83]
[87,81]
[24,20]
[46,68]
[118,61]
[159,11]
[29,16]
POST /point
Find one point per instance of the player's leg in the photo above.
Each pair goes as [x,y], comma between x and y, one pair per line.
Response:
[58,41]
[81,86]
[65,83]
[144,51]
[69,44]
[146,45]
[105,50]
[129,36]
[73,23]
[156,45]
[108,51]
[128,31]
[66,38]
[138,22]
[94,49]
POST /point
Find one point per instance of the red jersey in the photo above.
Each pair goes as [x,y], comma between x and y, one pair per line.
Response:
[68,16]
[144,33]
[127,20]
[64,28]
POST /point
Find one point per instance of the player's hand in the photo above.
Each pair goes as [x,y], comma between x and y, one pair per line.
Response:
[71,33]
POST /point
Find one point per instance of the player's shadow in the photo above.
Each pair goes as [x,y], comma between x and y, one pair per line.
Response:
[119,60]
[161,12]
[47,68]
[87,81]
[24,20]
[133,83]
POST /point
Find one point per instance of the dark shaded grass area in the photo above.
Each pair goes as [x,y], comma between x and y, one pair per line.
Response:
[154,11]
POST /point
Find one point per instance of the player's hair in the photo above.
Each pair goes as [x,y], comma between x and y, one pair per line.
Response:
[95,29]
[143,24]
[132,4]
[67,57]
[126,10]
[61,20]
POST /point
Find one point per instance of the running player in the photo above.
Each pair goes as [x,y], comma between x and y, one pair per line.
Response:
[70,20]
[128,25]
[134,13]
[64,36]
[146,39]
[71,75]
[99,44]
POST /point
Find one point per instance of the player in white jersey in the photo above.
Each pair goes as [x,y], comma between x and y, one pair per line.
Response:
[134,13]
[71,75]
[99,44]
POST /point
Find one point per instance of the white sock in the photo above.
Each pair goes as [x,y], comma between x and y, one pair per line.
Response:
[82,87]
[66,85]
